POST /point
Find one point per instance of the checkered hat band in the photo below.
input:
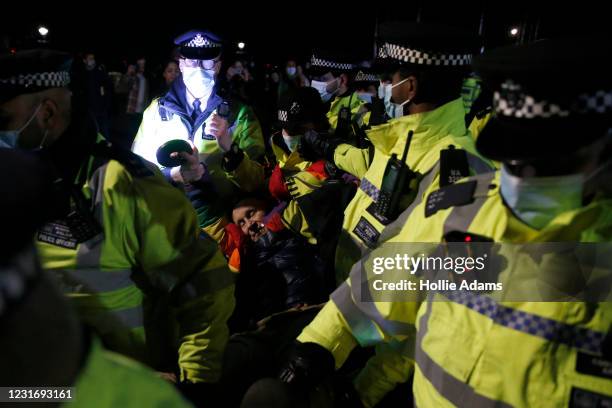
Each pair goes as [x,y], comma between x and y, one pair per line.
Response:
[362,76]
[40,79]
[548,329]
[318,62]
[202,42]
[418,57]
[283,115]
[524,106]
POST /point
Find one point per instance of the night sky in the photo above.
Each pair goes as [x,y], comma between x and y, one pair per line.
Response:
[115,31]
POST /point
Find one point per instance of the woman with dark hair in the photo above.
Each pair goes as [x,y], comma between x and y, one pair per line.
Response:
[169,74]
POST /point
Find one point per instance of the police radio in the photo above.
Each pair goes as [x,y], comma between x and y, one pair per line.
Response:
[223,110]
[362,141]
[397,176]
[344,123]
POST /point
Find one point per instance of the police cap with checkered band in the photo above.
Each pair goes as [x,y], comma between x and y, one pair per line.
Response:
[199,44]
[338,59]
[424,46]
[299,107]
[32,71]
[550,98]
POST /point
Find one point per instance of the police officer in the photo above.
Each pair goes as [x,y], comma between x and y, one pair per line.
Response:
[221,131]
[507,349]
[333,74]
[135,272]
[42,342]
[426,64]
[293,176]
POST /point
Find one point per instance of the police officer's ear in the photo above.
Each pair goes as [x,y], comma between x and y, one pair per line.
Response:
[54,112]
[48,113]
[412,87]
[344,80]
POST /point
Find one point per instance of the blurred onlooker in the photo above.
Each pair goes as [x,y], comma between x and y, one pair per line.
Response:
[291,79]
[138,98]
[169,74]
[122,133]
[98,92]
[171,71]
[240,82]
[123,87]
[240,70]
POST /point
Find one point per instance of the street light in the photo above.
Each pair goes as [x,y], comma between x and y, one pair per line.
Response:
[241,45]
[43,31]
[514,31]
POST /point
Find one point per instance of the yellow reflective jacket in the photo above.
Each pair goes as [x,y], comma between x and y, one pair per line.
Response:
[434,131]
[358,111]
[109,380]
[150,277]
[525,354]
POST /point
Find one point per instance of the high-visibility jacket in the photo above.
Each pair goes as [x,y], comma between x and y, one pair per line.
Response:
[293,177]
[166,119]
[109,380]
[473,350]
[434,131]
[148,280]
[359,113]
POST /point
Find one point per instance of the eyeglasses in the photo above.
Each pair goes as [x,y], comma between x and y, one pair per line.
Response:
[194,63]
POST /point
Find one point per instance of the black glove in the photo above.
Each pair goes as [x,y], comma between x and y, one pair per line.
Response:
[232,158]
[314,146]
[200,394]
[345,395]
[308,365]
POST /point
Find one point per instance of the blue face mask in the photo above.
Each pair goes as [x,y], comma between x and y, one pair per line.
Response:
[364,96]
[292,142]
[10,138]
[538,200]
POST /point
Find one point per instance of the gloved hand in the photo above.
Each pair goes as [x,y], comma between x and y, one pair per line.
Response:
[302,183]
[201,395]
[345,394]
[314,146]
[191,170]
[308,365]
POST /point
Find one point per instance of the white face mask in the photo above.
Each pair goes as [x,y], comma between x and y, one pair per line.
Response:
[291,71]
[394,110]
[199,81]
[10,138]
[325,89]
[538,200]
[291,142]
